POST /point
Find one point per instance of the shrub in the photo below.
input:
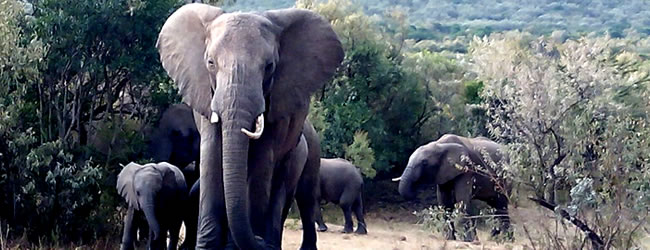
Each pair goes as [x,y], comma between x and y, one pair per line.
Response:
[574,116]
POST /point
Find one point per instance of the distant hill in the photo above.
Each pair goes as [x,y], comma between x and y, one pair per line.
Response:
[434,19]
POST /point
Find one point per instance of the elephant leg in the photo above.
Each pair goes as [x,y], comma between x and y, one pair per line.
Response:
[358,212]
[261,172]
[306,193]
[192,218]
[347,214]
[500,203]
[318,216]
[283,190]
[306,207]
[463,191]
[157,244]
[212,209]
[174,229]
[129,231]
[446,199]
[141,226]
[275,227]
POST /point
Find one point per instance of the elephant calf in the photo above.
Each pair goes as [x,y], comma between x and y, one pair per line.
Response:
[341,183]
[159,191]
[437,162]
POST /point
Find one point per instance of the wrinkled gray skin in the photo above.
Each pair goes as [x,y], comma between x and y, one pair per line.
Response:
[239,71]
[341,183]
[303,177]
[158,191]
[434,163]
[176,140]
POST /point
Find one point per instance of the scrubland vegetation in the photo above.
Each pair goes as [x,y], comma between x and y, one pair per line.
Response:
[563,84]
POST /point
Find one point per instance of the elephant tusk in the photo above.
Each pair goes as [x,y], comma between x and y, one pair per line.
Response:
[214,118]
[397,179]
[259,128]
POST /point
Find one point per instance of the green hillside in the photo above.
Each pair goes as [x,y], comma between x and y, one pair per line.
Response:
[436,19]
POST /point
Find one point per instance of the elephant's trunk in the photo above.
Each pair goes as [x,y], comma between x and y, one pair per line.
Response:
[235,174]
[150,214]
[406,184]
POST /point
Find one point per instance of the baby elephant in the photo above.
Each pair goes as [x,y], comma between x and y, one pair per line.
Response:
[159,191]
[341,183]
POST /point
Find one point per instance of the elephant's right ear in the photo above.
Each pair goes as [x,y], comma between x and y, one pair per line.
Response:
[125,184]
[182,44]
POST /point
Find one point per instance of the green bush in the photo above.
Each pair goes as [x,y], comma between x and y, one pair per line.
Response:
[79,82]
[361,155]
[575,119]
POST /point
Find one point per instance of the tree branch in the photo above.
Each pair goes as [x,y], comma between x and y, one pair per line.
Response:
[597,242]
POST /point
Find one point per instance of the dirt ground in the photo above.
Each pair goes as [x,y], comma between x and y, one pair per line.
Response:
[382,234]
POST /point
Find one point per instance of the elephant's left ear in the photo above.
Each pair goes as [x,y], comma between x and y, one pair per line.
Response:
[125,184]
[309,54]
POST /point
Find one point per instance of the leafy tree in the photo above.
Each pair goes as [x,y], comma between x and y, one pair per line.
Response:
[317,116]
[574,116]
[370,91]
[101,65]
[361,155]
[72,72]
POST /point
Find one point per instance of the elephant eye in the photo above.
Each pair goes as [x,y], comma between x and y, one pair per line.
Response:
[269,69]
[210,63]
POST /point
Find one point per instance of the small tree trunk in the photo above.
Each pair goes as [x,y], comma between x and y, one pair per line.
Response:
[596,241]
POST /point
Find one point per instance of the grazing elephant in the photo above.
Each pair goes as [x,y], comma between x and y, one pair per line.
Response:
[341,183]
[436,163]
[249,77]
[159,191]
[176,140]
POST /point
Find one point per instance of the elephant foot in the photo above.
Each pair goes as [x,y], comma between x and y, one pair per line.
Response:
[322,228]
[495,231]
[450,237]
[308,248]
[361,229]
[230,245]
[347,230]
[469,236]
[187,246]
[498,235]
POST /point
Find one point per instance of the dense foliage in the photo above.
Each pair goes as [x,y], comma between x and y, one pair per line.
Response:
[79,79]
[400,99]
[575,119]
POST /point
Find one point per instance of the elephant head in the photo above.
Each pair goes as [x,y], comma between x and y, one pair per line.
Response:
[244,71]
[144,186]
[432,163]
[176,137]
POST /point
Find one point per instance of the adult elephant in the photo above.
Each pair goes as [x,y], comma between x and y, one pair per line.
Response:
[437,162]
[302,174]
[176,140]
[248,77]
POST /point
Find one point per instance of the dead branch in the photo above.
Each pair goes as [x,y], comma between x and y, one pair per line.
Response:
[596,241]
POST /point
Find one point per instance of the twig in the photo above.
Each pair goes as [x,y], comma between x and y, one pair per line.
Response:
[596,241]
[486,216]
[641,221]
[532,244]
